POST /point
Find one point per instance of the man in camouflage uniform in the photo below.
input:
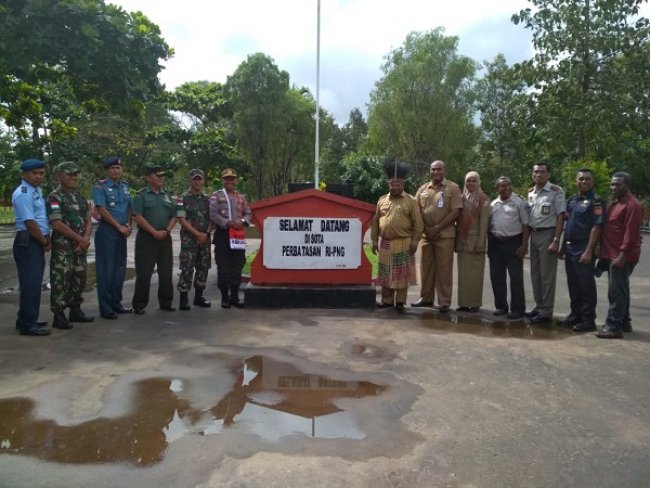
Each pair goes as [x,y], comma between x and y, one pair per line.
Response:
[192,211]
[69,217]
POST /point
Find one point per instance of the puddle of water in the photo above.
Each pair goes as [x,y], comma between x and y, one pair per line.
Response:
[478,327]
[268,398]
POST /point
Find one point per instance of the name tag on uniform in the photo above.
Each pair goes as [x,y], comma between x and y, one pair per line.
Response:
[441,202]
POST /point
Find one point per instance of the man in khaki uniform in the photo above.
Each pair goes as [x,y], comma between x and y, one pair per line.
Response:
[440,203]
[397,221]
[547,207]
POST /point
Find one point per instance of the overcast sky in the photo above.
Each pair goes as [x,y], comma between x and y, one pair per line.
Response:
[212,37]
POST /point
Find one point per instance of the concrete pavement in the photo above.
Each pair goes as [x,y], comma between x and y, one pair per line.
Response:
[358,398]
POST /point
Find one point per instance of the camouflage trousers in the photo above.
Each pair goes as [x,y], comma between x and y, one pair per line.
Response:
[68,275]
[193,257]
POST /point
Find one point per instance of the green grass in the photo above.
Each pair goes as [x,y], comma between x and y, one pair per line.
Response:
[6,215]
[366,247]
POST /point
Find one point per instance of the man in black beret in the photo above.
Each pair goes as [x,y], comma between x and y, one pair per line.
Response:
[112,200]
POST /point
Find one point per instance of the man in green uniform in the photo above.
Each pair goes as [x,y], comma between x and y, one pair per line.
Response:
[153,210]
[192,211]
[69,217]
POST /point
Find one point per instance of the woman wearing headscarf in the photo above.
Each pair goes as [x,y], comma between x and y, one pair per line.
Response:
[471,243]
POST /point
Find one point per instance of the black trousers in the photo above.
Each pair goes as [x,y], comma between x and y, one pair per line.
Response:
[230,262]
[581,282]
[150,253]
[503,262]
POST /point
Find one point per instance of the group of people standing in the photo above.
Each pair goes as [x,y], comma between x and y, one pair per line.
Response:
[443,220]
[61,223]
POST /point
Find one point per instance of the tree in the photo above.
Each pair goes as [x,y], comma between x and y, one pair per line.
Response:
[422,108]
[340,143]
[575,73]
[204,123]
[273,123]
[505,112]
[62,59]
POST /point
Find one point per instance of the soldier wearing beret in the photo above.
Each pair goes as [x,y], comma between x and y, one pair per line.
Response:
[154,212]
[113,203]
[30,245]
[69,216]
[192,211]
[230,213]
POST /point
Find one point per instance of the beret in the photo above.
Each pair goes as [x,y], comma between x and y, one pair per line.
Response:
[111,161]
[30,164]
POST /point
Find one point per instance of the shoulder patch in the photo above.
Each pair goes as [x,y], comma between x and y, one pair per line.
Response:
[555,188]
[23,189]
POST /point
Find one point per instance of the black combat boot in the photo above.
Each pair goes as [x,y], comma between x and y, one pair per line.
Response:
[225,297]
[199,300]
[60,321]
[184,303]
[77,315]
[234,297]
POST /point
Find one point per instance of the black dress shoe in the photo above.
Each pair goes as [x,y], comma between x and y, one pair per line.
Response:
[138,311]
[168,308]
[514,315]
[540,320]
[383,305]
[35,331]
[443,309]
[584,327]
[473,309]
[422,303]
[399,306]
[122,309]
[462,309]
[225,303]
[627,327]
[109,315]
[499,311]
[609,334]
[569,321]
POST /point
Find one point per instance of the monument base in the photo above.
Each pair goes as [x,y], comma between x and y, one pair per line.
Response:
[309,296]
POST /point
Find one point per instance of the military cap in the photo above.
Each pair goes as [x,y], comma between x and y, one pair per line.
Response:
[151,168]
[229,172]
[196,172]
[67,167]
[30,164]
[111,161]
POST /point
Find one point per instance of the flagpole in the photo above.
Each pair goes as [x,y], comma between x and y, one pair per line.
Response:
[317,144]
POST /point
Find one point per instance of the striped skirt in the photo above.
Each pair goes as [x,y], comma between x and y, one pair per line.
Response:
[396,264]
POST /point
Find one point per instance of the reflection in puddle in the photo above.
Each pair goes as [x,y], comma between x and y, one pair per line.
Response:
[269,398]
[475,326]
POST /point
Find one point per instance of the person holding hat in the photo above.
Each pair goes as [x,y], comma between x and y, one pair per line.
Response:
[399,224]
[192,211]
[30,245]
[112,200]
[69,216]
[230,213]
[155,213]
